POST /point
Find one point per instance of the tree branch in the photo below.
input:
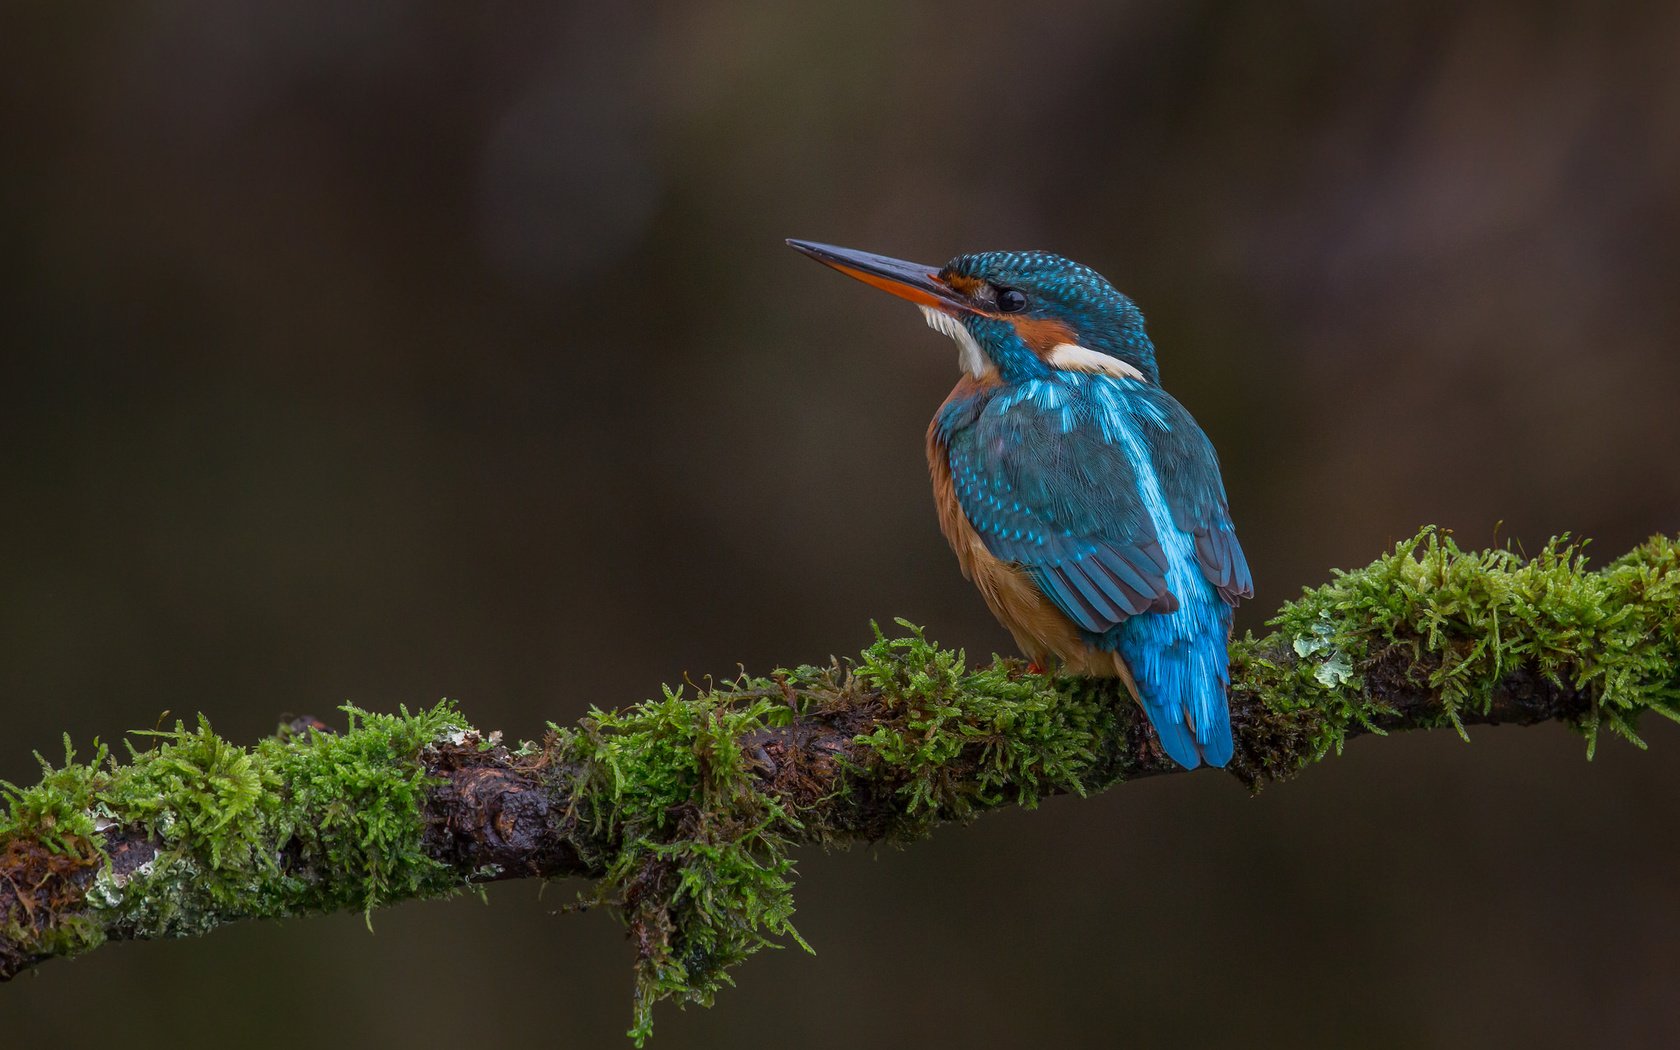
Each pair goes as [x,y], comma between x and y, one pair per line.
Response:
[684,810]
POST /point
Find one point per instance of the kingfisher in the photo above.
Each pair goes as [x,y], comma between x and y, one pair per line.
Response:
[1080,497]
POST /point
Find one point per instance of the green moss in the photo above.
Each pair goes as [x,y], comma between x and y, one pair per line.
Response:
[198,793]
[963,740]
[354,806]
[695,856]
[304,823]
[56,811]
[48,840]
[1464,620]
[70,935]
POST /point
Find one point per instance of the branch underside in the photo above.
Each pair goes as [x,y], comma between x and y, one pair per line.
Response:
[683,810]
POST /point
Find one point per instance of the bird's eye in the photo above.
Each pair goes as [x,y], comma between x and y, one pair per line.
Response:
[1010,301]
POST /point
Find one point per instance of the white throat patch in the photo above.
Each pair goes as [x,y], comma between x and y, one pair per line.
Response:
[970,357]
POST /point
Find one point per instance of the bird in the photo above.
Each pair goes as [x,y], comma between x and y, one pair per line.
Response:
[1081,498]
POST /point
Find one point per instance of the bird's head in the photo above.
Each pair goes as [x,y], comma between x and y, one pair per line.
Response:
[1014,315]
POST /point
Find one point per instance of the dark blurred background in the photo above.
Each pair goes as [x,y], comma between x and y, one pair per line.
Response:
[382,352]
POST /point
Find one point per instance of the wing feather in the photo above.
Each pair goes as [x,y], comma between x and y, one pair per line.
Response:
[1044,489]
[1189,471]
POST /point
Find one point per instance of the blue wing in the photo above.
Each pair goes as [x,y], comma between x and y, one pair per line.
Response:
[1188,469]
[1044,489]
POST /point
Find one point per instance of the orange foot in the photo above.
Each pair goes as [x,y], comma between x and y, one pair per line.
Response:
[1033,668]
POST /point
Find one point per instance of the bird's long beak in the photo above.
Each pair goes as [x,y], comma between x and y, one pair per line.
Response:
[907,280]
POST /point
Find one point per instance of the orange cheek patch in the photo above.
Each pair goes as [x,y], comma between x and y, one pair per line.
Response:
[1042,334]
[969,286]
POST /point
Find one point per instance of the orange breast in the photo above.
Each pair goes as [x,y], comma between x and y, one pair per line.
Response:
[1044,634]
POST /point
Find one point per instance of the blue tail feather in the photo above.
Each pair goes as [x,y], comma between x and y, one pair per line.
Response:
[1183,686]
[1211,740]
[1216,737]
[1174,734]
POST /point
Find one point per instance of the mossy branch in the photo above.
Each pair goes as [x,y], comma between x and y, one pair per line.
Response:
[684,810]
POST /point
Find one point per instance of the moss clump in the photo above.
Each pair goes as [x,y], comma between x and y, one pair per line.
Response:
[695,855]
[199,793]
[1462,621]
[962,740]
[215,831]
[49,836]
[55,813]
[354,807]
